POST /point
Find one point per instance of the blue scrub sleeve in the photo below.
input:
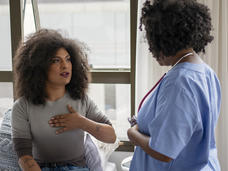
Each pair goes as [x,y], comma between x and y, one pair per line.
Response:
[175,121]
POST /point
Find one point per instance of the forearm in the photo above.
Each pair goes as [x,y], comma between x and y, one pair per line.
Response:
[142,140]
[27,163]
[102,132]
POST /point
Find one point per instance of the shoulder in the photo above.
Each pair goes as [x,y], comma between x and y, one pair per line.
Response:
[178,85]
[90,105]
[20,105]
[177,82]
[87,100]
[20,102]
[188,77]
[211,74]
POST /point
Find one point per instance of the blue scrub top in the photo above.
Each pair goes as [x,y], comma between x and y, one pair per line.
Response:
[180,117]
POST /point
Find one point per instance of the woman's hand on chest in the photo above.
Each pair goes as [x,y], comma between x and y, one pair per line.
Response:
[68,121]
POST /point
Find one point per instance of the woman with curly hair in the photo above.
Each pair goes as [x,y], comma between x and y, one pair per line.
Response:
[174,129]
[52,110]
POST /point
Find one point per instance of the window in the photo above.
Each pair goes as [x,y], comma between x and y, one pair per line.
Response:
[29,18]
[114,101]
[6,88]
[5,42]
[6,47]
[103,25]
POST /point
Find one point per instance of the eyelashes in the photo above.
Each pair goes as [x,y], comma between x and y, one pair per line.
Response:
[58,60]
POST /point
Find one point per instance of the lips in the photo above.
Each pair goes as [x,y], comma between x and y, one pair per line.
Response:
[65,74]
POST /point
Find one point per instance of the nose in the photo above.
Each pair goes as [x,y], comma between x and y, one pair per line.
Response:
[64,64]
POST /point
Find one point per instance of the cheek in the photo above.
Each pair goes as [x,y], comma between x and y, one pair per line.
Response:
[52,71]
[70,67]
[161,63]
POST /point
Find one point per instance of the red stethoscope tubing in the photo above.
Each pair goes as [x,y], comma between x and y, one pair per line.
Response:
[140,105]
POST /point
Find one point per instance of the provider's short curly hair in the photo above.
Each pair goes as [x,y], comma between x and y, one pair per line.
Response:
[173,25]
[33,58]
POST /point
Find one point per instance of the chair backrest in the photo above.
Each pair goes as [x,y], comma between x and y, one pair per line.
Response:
[8,157]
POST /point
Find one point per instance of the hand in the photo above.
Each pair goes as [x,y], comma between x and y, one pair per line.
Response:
[67,121]
[131,133]
[132,120]
[27,163]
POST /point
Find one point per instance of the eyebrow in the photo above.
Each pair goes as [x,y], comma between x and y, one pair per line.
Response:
[61,57]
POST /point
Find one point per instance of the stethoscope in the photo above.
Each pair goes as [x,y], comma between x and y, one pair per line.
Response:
[143,99]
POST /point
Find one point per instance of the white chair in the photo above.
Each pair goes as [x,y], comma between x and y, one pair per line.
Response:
[125,164]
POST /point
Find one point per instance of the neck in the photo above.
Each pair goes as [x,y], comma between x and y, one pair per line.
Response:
[181,54]
[55,92]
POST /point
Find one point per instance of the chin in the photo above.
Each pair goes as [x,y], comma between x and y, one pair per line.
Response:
[63,83]
[67,82]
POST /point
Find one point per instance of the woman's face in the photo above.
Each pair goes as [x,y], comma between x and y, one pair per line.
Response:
[60,69]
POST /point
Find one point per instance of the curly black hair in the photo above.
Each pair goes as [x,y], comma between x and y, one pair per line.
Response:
[33,58]
[173,25]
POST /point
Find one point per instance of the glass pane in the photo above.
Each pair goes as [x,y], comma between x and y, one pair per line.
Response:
[5,38]
[114,101]
[29,23]
[6,98]
[103,25]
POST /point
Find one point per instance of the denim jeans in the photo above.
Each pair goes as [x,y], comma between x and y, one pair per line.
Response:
[65,168]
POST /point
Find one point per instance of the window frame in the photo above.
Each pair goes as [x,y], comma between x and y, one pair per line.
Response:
[16,31]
